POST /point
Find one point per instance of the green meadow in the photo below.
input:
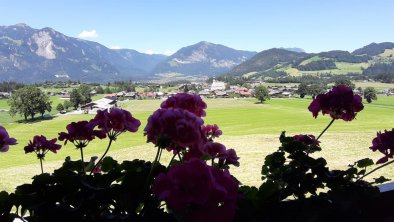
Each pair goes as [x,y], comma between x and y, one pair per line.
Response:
[251,128]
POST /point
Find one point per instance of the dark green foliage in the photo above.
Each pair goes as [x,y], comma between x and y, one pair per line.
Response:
[10,86]
[67,104]
[344,56]
[370,94]
[292,172]
[261,93]
[81,96]
[85,92]
[381,71]
[127,86]
[310,88]
[119,194]
[99,90]
[29,101]
[341,80]
[270,73]
[59,107]
[107,90]
[318,65]
[75,98]
[385,77]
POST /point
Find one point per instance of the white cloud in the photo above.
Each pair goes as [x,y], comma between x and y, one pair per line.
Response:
[115,47]
[88,34]
[149,52]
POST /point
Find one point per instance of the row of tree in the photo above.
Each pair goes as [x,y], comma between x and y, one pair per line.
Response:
[30,100]
[318,65]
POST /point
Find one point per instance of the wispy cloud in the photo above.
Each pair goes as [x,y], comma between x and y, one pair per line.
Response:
[150,51]
[85,34]
[115,47]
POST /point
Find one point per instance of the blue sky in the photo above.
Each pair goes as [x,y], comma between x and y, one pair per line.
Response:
[166,26]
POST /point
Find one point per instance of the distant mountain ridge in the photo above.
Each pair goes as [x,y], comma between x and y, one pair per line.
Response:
[280,61]
[266,60]
[203,58]
[36,55]
[374,49]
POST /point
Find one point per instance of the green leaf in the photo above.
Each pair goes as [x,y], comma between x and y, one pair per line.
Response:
[108,164]
[366,162]
[380,180]
[268,189]
[42,179]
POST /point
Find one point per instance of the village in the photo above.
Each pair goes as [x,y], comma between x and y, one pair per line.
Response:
[217,89]
[150,91]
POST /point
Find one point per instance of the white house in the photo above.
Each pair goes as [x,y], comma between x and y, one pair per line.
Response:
[218,85]
[100,104]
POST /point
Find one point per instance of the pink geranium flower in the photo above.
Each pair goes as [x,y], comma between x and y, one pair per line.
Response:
[81,133]
[5,140]
[230,158]
[117,120]
[211,131]
[340,103]
[41,145]
[214,150]
[191,103]
[174,129]
[198,192]
[384,142]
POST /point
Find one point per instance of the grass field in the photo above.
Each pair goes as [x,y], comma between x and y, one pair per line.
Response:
[251,129]
[342,68]
[377,85]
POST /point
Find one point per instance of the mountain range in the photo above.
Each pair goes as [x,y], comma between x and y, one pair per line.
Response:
[36,55]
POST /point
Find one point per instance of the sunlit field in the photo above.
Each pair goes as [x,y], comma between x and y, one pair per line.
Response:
[251,128]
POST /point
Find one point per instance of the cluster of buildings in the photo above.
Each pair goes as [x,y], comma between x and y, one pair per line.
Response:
[388,92]
[282,91]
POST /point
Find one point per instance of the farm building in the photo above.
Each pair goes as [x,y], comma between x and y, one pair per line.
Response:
[100,104]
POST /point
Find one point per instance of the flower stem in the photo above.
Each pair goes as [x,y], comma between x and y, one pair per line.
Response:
[328,126]
[83,163]
[42,168]
[102,157]
[377,168]
[157,158]
[172,159]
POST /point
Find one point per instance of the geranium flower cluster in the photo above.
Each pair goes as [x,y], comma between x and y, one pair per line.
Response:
[194,190]
[198,192]
[174,129]
[211,131]
[110,123]
[40,145]
[178,128]
[81,133]
[340,103]
[384,142]
[191,103]
[116,120]
[5,140]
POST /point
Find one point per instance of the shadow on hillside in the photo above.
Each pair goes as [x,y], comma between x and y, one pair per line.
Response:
[259,103]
